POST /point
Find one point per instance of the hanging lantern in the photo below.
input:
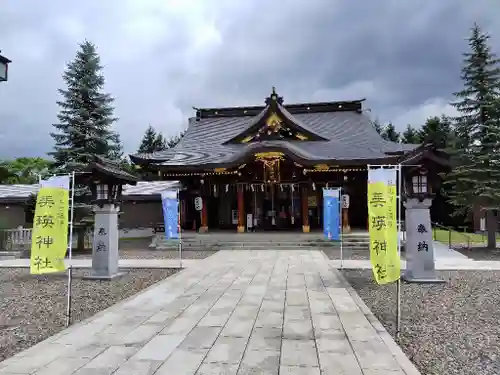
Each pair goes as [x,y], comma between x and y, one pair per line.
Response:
[281,187]
[262,187]
[227,188]
[314,186]
[215,191]
[251,187]
[293,189]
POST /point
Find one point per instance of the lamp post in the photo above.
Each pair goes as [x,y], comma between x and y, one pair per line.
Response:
[4,68]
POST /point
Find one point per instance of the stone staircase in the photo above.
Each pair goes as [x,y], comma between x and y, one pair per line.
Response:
[260,241]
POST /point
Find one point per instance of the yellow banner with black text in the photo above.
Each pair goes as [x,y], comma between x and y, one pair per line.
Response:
[382,207]
[50,226]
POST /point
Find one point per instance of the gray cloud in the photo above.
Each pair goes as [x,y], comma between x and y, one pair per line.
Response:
[162,57]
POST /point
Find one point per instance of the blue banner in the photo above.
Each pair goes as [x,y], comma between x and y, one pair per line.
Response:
[331,214]
[170,204]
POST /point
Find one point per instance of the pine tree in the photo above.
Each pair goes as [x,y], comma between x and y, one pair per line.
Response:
[160,142]
[86,114]
[148,142]
[389,133]
[436,130]
[410,135]
[475,153]
[378,127]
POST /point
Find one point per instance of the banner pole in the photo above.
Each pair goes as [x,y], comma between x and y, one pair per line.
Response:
[70,249]
[341,231]
[179,229]
[398,285]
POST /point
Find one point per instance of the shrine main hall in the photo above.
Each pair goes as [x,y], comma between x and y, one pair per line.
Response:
[264,167]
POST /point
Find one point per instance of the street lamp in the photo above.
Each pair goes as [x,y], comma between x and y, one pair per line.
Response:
[4,68]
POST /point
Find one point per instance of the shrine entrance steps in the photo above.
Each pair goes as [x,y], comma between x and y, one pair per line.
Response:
[356,240]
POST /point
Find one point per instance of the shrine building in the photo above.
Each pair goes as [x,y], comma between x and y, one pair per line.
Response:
[264,167]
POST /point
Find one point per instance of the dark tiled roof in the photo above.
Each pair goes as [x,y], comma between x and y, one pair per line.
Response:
[17,193]
[112,169]
[351,137]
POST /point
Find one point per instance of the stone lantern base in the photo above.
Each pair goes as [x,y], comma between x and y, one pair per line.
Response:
[419,247]
[105,255]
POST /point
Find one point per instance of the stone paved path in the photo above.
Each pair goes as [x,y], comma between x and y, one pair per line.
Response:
[237,312]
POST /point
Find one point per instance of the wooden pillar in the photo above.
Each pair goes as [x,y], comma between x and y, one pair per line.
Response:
[204,217]
[305,211]
[346,227]
[241,211]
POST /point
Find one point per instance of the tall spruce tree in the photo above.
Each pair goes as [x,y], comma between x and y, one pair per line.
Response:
[410,135]
[475,154]
[389,133]
[148,142]
[85,116]
[436,130]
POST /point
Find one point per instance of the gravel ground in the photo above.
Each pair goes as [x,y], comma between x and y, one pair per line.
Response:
[33,308]
[481,253]
[447,329]
[355,254]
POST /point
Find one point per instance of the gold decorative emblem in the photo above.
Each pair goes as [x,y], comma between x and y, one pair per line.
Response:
[321,167]
[220,170]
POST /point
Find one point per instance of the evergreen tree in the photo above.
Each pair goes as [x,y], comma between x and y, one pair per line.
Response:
[436,130]
[475,153]
[148,142]
[85,116]
[410,135]
[378,127]
[160,143]
[389,133]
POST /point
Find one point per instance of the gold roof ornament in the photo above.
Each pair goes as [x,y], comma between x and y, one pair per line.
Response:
[321,167]
[269,155]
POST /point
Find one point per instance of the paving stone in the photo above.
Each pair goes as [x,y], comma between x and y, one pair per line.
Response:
[262,362]
[218,369]
[159,348]
[297,313]
[338,364]
[132,367]
[180,326]
[296,298]
[183,362]
[236,327]
[333,341]
[296,370]
[273,305]
[299,353]
[298,330]
[227,350]
[259,342]
[141,334]
[374,355]
[271,332]
[62,366]
[110,359]
[269,318]
[201,337]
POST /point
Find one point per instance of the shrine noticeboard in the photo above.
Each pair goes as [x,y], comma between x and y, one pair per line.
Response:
[382,206]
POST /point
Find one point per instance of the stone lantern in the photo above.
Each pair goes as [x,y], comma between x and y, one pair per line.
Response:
[419,249]
[106,181]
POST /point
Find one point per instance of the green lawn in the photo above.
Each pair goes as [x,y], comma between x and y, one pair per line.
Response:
[442,235]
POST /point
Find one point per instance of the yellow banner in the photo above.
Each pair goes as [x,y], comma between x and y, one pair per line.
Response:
[50,231]
[383,230]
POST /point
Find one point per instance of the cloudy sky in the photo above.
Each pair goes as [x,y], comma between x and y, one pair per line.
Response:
[162,57]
